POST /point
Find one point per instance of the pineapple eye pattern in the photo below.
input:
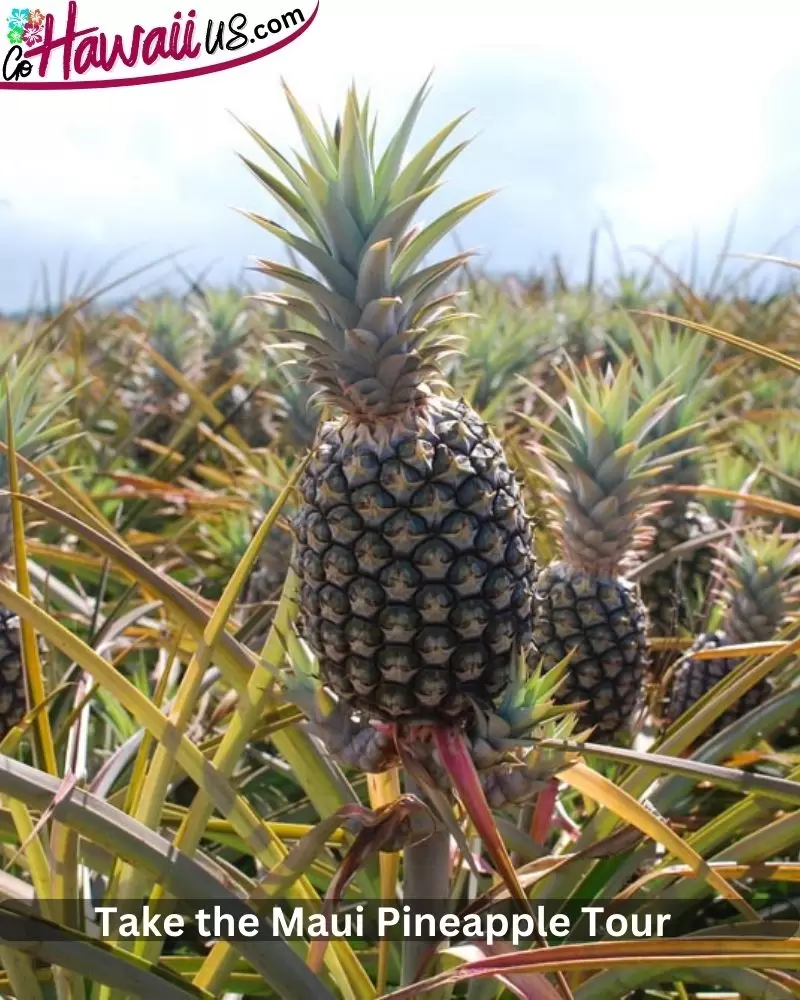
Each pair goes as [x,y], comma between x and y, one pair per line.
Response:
[416,609]
[25,25]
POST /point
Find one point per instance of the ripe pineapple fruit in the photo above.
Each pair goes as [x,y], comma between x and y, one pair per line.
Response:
[412,545]
[601,472]
[758,599]
[673,592]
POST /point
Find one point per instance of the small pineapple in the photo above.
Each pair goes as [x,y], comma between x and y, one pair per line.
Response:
[673,592]
[413,548]
[601,473]
[758,600]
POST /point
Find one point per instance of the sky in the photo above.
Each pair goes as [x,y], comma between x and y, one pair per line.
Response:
[661,125]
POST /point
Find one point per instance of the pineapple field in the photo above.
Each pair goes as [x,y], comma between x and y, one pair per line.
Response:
[387,580]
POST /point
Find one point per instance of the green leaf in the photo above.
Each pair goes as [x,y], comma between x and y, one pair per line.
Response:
[431,235]
[392,158]
[337,275]
[414,175]
[295,206]
[314,145]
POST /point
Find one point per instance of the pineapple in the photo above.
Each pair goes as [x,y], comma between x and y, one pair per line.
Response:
[758,600]
[672,592]
[413,548]
[601,472]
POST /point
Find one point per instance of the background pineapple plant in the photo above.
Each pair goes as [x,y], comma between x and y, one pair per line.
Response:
[759,596]
[155,403]
[34,431]
[775,448]
[674,593]
[600,457]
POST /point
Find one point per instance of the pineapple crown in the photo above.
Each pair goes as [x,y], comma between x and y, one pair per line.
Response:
[759,592]
[602,461]
[375,343]
[682,361]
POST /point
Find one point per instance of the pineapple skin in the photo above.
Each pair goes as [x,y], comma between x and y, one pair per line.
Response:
[667,593]
[694,678]
[13,698]
[415,559]
[605,622]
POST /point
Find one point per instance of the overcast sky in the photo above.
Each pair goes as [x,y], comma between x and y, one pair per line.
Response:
[665,125]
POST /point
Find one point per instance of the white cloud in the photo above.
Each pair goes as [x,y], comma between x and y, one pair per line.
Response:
[663,123]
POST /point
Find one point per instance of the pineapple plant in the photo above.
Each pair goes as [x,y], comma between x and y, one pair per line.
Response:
[35,431]
[268,575]
[222,322]
[296,417]
[727,470]
[413,548]
[169,332]
[777,450]
[600,459]
[504,339]
[759,597]
[673,592]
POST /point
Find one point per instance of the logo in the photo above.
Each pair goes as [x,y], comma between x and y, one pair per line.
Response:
[45,51]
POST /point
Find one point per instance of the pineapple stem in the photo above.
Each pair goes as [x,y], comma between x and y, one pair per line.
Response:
[426,875]
[544,812]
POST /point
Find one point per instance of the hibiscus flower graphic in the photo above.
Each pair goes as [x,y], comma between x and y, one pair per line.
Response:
[19,18]
[32,34]
[35,18]
[15,36]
